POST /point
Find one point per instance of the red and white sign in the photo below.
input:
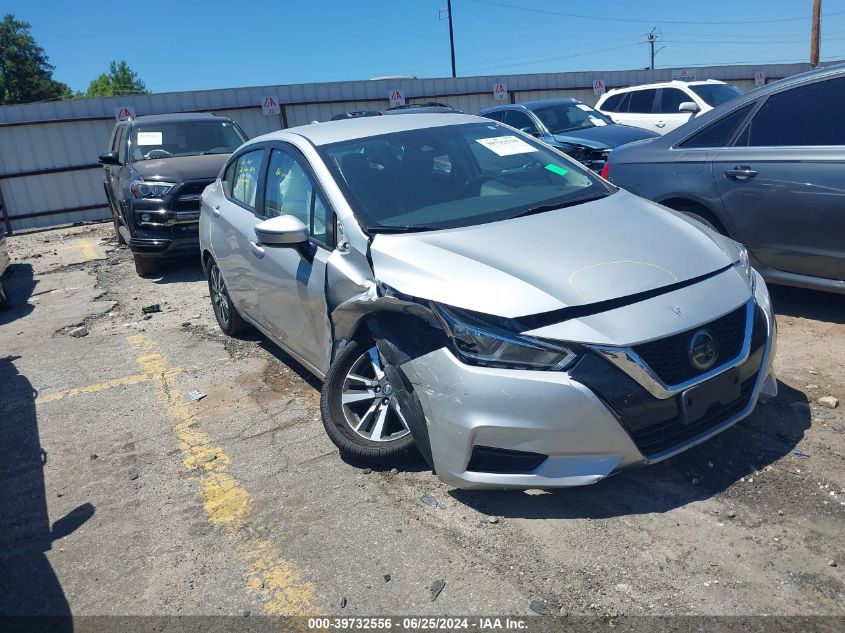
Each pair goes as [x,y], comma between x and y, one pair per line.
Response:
[598,87]
[270,106]
[500,92]
[397,97]
[759,78]
[684,74]
[124,112]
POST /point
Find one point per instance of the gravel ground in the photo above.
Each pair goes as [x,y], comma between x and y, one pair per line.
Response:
[121,495]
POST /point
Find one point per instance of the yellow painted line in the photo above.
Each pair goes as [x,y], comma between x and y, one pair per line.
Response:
[100,386]
[273,580]
[89,251]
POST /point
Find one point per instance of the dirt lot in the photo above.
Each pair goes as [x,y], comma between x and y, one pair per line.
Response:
[121,495]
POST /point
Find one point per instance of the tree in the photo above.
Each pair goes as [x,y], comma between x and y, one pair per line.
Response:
[120,80]
[26,74]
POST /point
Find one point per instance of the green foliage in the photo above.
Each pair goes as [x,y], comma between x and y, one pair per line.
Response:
[120,80]
[26,74]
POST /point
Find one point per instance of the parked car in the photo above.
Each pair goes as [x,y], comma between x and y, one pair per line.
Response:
[765,169]
[154,172]
[516,319]
[4,267]
[570,126]
[662,107]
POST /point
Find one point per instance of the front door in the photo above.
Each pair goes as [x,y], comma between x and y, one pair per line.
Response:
[782,181]
[290,282]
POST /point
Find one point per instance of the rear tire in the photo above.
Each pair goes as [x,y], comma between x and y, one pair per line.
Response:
[145,266]
[228,318]
[4,298]
[360,411]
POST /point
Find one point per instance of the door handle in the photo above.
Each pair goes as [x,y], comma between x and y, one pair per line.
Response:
[216,210]
[741,173]
[257,250]
[660,124]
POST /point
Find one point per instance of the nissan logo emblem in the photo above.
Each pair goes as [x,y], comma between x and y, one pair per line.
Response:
[703,350]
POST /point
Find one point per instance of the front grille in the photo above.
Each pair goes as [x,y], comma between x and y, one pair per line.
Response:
[653,440]
[669,357]
[187,196]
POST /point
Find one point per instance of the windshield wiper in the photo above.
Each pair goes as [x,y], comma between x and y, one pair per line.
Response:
[560,205]
[401,229]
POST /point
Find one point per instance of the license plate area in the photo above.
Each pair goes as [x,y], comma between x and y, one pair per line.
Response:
[712,395]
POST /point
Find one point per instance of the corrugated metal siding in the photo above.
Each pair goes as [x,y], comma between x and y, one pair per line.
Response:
[63,134]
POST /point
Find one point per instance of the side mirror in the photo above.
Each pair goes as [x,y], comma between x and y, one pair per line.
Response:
[530,129]
[284,230]
[109,158]
[689,106]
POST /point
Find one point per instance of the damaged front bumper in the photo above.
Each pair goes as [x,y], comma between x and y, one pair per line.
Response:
[502,428]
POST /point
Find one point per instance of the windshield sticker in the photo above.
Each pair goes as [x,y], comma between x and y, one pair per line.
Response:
[584,107]
[560,171]
[597,121]
[506,145]
[149,138]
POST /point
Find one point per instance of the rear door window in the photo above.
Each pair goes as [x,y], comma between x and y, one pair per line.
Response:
[612,103]
[246,176]
[809,115]
[642,101]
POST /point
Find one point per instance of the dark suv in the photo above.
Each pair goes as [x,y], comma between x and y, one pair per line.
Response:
[155,171]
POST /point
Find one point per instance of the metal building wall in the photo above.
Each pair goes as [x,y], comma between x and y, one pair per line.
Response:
[48,151]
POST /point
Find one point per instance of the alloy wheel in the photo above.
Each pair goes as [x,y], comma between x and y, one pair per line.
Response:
[369,402]
[219,296]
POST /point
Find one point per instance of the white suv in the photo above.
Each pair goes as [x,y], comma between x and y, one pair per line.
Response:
[662,107]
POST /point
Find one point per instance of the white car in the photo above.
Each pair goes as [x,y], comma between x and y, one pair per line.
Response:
[662,107]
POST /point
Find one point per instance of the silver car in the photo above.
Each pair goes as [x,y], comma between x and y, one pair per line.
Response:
[470,294]
[766,168]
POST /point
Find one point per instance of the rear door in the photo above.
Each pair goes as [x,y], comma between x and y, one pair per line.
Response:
[640,110]
[290,283]
[112,172]
[232,229]
[783,181]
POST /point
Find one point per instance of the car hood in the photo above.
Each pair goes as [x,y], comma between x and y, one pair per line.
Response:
[610,248]
[180,168]
[604,136]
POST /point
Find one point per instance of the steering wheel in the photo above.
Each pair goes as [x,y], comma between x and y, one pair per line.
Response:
[157,153]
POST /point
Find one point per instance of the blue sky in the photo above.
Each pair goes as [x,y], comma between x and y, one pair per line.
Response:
[189,45]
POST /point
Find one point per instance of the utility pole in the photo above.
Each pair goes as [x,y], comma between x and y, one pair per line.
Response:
[651,38]
[452,35]
[815,34]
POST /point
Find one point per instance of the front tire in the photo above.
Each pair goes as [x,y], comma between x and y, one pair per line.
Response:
[228,318]
[145,266]
[360,410]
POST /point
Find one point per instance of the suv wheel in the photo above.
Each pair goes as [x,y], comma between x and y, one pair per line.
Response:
[228,318]
[360,411]
[145,266]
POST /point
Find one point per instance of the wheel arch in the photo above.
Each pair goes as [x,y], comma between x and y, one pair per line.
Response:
[690,205]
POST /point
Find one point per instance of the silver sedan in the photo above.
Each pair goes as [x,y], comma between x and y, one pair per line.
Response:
[469,294]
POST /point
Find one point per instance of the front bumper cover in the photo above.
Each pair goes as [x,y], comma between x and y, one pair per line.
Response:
[548,413]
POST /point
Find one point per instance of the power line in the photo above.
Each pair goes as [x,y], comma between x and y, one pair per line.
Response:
[578,16]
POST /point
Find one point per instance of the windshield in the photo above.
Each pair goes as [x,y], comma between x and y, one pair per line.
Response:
[716,94]
[454,176]
[565,117]
[184,138]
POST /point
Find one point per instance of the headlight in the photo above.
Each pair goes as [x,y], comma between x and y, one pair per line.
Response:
[145,189]
[479,343]
[743,266]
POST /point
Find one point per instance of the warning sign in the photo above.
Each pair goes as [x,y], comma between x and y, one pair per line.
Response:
[598,87]
[759,78]
[397,97]
[684,74]
[270,106]
[500,92]
[124,112]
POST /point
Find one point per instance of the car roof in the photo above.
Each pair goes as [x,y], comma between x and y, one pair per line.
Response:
[674,83]
[529,105]
[362,127]
[177,116]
